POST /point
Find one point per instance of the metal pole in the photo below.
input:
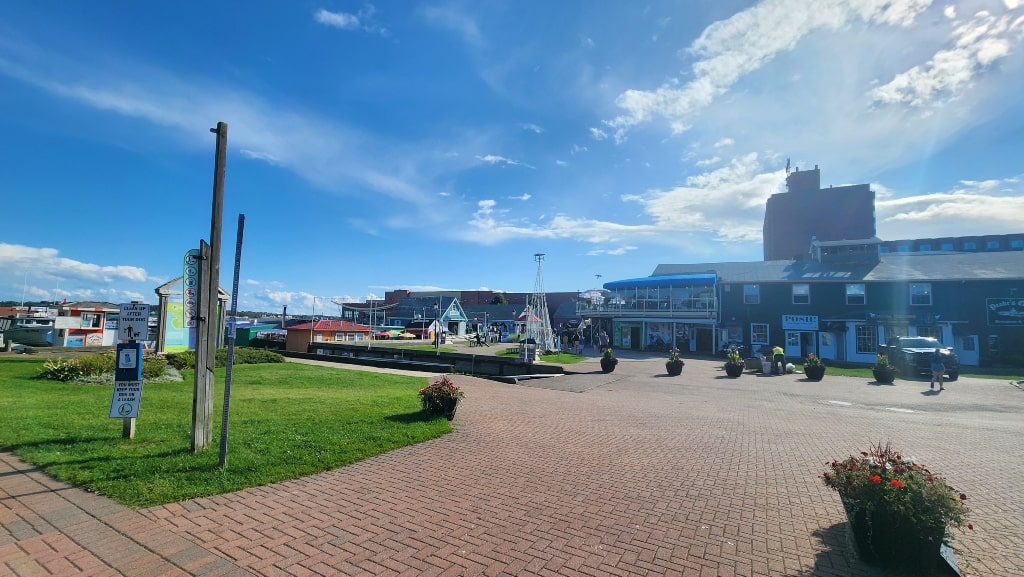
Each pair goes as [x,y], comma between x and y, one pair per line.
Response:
[231,346]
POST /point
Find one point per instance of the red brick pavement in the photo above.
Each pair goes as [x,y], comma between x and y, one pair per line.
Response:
[631,473]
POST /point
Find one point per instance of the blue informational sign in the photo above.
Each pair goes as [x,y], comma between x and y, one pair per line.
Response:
[124,404]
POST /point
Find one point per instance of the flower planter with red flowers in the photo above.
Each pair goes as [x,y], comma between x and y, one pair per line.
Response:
[898,512]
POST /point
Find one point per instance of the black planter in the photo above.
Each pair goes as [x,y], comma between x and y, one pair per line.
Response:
[440,406]
[887,539]
[884,374]
[814,372]
[674,368]
[733,370]
[608,365]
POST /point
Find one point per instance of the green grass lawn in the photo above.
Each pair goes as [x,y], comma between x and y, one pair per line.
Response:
[287,420]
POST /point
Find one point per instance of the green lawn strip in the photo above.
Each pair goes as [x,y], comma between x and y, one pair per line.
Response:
[286,421]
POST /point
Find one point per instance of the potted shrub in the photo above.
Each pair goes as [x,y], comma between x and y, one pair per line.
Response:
[884,371]
[733,364]
[441,397]
[814,369]
[674,364]
[898,511]
[608,360]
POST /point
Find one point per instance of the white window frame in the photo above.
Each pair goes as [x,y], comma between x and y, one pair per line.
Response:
[851,295]
[757,329]
[866,339]
[751,294]
[919,290]
[805,293]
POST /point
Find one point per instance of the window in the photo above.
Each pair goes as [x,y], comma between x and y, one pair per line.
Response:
[867,339]
[91,320]
[751,294]
[758,334]
[970,246]
[801,294]
[903,248]
[1017,244]
[883,249]
[339,336]
[855,294]
[947,246]
[934,332]
[992,245]
[921,293]
[792,339]
[924,247]
[993,343]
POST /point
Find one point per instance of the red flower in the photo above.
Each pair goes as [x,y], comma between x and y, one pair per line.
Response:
[875,479]
[963,497]
[970,526]
[897,483]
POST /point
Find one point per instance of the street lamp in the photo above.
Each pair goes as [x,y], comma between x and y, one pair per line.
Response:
[437,329]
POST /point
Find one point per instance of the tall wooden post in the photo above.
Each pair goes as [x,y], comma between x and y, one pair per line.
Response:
[209,325]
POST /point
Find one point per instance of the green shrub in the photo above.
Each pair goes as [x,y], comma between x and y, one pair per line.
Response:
[153,366]
[61,370]
[182,360]
[248,356]
[97,364]
[243,356]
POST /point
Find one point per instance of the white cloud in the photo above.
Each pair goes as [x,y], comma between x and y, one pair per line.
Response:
[708,161]
[362,20]
[493,159]
[46,262]
[598,134]
[269,158]
[458,22]
[976,44]
[561,163]
[725,142]
[523,197]
[973,208]
[337,19]
[730,49]
[533,128]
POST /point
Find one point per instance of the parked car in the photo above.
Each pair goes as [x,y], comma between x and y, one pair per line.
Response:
[913,355]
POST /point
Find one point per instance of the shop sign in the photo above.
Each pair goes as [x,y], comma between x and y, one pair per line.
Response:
[1005,312]
[800,322]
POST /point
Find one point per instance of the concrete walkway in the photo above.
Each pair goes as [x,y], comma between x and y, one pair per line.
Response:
[629,473]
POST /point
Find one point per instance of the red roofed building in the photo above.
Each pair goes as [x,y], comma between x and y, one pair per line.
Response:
[324,331]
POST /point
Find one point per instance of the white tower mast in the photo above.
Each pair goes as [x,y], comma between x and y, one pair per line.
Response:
[540,329]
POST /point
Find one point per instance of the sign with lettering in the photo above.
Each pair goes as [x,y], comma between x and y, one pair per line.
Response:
[125,402]
[133,322]
[800,322]
[190,288]
[1005,312]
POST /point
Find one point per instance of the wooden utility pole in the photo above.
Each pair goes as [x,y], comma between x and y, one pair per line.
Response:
[209,320]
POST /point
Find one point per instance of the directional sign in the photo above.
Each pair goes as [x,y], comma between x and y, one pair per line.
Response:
[133,323]
[125,402]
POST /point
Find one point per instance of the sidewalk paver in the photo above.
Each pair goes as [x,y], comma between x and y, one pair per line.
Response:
[627,473]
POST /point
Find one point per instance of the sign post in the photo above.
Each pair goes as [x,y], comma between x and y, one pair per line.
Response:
[132,325]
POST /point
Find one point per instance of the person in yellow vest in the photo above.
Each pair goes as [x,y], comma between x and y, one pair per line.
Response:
[778,360]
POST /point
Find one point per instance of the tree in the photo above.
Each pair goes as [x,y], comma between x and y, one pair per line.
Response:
[499,299]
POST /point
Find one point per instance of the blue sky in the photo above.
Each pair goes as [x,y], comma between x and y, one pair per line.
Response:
[439,145]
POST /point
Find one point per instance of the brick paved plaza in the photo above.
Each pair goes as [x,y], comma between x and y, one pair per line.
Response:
[630,473]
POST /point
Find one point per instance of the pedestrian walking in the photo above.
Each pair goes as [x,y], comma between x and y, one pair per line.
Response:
[938,369]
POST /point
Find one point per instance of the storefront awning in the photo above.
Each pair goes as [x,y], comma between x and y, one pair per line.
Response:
[663,281]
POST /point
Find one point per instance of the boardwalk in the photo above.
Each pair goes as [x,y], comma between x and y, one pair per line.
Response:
[631,473]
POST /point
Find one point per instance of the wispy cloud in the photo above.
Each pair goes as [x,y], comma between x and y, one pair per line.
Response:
[493,159]
[362,20]
[976,45]
[451,19]
[730,49]
[533,128]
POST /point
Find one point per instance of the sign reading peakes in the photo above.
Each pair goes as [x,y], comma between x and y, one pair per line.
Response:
[1005,312]
[800,322]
